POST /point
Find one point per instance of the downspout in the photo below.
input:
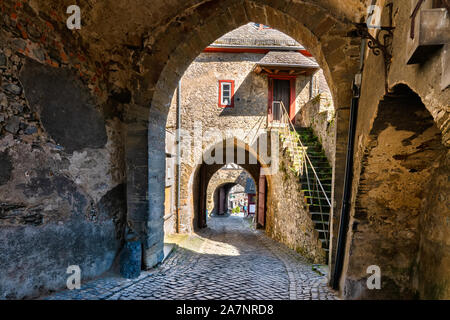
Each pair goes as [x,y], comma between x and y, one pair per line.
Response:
[178,137]
[345,210]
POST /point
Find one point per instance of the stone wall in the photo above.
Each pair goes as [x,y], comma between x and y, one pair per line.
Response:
[287,218]
[398,192]
[62,176]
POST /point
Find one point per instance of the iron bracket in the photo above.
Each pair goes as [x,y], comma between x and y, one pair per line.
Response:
[381,42]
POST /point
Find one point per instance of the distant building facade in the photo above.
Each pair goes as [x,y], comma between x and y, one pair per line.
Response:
[233,87]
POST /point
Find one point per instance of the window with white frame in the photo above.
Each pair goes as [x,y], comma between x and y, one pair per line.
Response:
[226,93]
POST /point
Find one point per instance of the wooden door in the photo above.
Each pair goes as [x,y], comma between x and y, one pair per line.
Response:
[281,92]
[222,200]
[202,198]
[262,201]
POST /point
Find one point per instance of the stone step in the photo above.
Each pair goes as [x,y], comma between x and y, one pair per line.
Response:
[320,222]
[326,183]
[323,204]
[314,150]
[320,173]
[317,202]
[314,192]
[323,234]
[307,136]
[319,225]
[315,158]
[326,186]
[324,244]
[312,179]
[320,170]
[321,164]
[319,216]
[312,176]
[314,195]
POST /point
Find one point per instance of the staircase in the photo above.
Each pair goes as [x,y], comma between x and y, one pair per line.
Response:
[311,165]
[319,207]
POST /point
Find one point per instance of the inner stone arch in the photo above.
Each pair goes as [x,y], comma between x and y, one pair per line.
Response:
[204,171]
[221,184]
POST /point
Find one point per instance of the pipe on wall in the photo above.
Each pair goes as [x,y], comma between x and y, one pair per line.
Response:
[178,138]
[344,219]
[345,209]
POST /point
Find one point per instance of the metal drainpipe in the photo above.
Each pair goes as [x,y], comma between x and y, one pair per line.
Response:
[178,153]
[344,219]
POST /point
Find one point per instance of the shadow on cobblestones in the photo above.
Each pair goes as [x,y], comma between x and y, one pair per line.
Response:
[228,260]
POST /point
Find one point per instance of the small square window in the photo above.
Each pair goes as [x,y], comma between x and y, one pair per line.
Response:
[226,93]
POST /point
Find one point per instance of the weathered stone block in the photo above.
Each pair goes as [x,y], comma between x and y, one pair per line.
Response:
[12,125]
[2,60]
[5,168]
[12,88]
[66,108]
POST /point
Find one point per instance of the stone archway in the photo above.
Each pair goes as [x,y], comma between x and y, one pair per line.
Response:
[144,49]
[201,176]
[398,222]
[222,177]
[320,27]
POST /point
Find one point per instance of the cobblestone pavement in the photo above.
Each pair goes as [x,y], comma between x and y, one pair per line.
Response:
[228,260]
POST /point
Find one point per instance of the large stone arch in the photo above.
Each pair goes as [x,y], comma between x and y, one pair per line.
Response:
[398,221]
[142,38]
[316,24]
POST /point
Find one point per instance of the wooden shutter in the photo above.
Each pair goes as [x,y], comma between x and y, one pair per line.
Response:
[262,201]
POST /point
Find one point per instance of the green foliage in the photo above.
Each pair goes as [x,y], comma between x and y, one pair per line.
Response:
[317,98]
